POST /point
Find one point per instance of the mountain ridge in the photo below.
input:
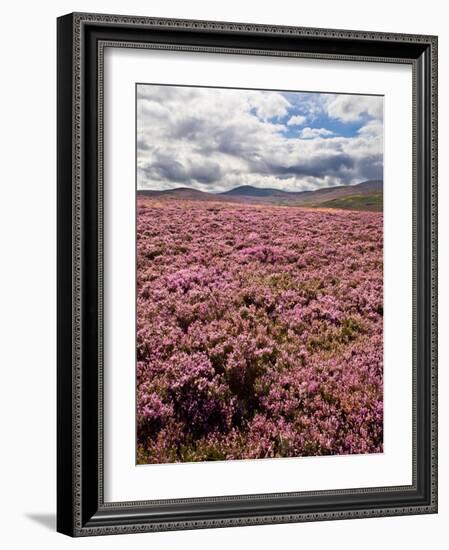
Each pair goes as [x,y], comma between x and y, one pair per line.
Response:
[366,194]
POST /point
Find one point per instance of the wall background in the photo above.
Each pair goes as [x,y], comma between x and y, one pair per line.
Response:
[27,273]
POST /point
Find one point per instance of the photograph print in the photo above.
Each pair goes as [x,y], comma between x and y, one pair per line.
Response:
[259,227]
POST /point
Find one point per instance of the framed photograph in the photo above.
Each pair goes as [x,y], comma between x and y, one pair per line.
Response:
[247,280]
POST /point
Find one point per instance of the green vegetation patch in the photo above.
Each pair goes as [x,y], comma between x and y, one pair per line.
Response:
[369,201]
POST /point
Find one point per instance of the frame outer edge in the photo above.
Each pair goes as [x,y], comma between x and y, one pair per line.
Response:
[260,28]
[65,270]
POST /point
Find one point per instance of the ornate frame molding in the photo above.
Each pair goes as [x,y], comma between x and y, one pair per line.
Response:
[82,510]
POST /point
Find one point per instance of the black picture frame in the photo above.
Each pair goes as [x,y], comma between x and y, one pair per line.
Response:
[81,510]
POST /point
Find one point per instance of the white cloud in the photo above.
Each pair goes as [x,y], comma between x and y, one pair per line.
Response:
[351,108]
[296,120]
[268,104]
[312,133]
[373,128]
[216,139]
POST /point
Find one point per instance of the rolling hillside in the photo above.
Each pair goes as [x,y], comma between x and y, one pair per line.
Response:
[367,195]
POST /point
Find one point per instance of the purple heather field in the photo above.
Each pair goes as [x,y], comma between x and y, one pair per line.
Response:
[259,331]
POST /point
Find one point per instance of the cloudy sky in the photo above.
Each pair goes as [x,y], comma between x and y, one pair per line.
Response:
[215,139]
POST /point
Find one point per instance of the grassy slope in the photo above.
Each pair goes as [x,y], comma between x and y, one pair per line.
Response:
[367,201]
[341,198]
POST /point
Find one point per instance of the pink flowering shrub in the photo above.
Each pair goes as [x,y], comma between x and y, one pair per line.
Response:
[259,331]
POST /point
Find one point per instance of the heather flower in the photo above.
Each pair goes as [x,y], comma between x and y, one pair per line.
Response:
[259,331]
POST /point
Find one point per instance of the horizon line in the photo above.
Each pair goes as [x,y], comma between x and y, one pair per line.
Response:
[256,187]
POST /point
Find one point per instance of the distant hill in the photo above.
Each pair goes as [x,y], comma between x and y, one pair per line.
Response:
[367,195]
[370,185]
[179,193]
[250,191]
